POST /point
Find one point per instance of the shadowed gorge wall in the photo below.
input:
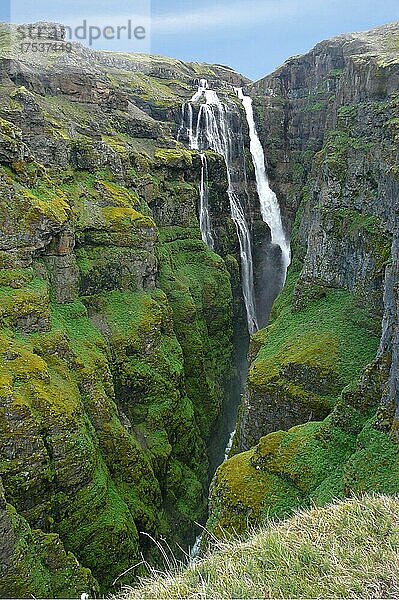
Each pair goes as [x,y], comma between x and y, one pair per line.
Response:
[322,387]
[117,323]
[123,337]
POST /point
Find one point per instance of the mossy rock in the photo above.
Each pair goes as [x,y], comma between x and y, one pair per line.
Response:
[313,463]
[37,563]
[198,287]
[30,215]
[180,158]
[60,386]
[25,302]
[347,453]
[313,348]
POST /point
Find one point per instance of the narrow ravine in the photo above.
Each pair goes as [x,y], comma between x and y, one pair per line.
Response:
[139,272]
[205,123]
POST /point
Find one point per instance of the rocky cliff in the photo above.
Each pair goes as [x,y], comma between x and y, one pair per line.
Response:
[121,332]
[322,388]
[117,322]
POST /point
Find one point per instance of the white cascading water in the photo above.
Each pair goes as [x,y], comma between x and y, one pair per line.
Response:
[269,205]
[212,131]
[229,445]
[205,219]
[202,88]
[187,125]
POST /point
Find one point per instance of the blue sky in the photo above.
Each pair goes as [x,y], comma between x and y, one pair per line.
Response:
[253,36]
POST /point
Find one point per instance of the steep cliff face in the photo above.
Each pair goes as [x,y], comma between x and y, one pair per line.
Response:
[329,128]
[35,560]
[116,320]
[120,331]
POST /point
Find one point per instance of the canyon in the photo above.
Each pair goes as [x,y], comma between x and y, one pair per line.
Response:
[183,254]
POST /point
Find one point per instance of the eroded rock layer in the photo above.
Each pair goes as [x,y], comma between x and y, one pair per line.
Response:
[120,331]
[116,321]
[322,390]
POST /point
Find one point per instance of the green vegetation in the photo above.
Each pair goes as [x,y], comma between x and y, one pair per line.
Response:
[22,300]
[313,371]
[346,550]
[338,146]
[171,157]
[25,210]
[311,463]
[357,226]
[318,341]
[336,73]
[314,107]
[391,43]
[109,388]
[41,565]
[153,89]
[116,328]
[198,287]
[61,380]
[339,334]
[348,113]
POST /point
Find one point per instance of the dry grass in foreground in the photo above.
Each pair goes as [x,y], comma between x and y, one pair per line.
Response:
[346,550]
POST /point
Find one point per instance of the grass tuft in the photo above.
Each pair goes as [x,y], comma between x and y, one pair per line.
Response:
[346,550]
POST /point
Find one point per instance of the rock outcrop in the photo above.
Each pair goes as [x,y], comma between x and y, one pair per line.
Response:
[31,559]
[120,331]
[116,321]
[322,388]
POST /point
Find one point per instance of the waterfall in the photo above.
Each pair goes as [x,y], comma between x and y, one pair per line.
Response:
[229,445]
[187,124]
[212,131]
[205,219]
[195,550]
[269,205]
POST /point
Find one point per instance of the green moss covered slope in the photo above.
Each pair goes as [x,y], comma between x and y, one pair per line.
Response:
[116,326]
[318,420]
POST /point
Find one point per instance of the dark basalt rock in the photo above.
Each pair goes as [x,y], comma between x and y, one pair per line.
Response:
[328,123]
[120,331]
[116,321]
[324,120]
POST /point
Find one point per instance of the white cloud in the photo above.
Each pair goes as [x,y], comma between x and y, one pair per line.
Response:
[240,14]
[221,15]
